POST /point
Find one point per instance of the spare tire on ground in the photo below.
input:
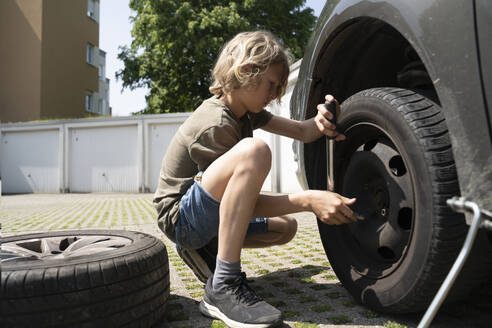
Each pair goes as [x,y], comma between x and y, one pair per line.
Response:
[85,278]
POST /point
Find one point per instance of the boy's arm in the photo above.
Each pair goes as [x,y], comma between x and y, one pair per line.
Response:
[329,207]
[304,131]
[308,130]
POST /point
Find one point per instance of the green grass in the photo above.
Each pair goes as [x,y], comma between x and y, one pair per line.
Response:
[318,287]
[339,319]
[307,280]
[290,314]
[318,271]
[277,303]
[218,324]
[266,295]
[322,308]
[333,295]
[369,314]
[392,324]
[349,304]
[305,325]
[292,291]
[197,294]
[307,299]
[330,277]
[193,286]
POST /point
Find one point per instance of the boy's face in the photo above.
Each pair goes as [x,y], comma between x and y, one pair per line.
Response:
[255,98]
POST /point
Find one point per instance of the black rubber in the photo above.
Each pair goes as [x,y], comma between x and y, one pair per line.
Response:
[127,287]
[417,128]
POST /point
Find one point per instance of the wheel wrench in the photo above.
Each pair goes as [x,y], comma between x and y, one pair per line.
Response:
[330,147]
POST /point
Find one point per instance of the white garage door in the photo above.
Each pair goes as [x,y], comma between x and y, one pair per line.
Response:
[160,135]
[29,162]
[104,159]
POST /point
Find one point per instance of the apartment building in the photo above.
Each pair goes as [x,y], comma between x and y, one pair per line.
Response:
[50,63]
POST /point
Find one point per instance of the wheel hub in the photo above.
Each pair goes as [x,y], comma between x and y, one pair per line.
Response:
[377,176]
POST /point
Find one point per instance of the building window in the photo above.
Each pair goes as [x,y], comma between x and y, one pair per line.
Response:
[93,9]
[89,102]
[90,54]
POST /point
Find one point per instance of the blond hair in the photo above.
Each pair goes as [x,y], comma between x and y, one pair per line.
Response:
[245,58]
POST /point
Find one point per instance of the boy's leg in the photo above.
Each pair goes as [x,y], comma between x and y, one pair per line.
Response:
[281,230]
[235,179]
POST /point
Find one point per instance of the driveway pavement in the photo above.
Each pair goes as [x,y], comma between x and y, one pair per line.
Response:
[296,278]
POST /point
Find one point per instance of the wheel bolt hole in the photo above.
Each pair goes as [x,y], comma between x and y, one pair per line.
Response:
[397,166]
[64,244]
[405,218]
[370,145]
[386,253]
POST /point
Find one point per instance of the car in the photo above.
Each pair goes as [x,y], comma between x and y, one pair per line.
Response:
[414,79]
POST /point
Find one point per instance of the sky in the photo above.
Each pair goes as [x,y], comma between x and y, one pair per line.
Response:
[114,31]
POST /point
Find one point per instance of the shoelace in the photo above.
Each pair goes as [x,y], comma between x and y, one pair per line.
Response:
[243,291]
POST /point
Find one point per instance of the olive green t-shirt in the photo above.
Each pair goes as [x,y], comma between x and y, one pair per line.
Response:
[208,133]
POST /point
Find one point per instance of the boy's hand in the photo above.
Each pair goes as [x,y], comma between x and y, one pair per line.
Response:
[323,118]
[332,208]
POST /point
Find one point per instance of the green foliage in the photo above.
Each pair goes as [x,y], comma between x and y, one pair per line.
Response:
[392,324]
[175,43]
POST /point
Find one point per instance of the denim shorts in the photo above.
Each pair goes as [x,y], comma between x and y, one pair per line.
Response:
[198,219]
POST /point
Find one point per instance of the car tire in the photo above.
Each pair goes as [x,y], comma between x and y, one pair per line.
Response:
[397,160]
[85,278]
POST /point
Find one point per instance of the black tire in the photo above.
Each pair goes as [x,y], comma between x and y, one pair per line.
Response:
[124,283]
[397,160]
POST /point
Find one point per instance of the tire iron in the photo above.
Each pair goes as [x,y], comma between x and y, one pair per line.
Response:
[330,146]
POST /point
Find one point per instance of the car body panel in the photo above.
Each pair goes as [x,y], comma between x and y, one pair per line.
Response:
[443,35]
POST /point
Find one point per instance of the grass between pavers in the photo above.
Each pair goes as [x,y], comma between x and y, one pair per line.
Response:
[88,213]
[296,277]
[284,289]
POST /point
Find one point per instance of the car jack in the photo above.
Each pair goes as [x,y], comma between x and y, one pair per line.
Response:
[481,218]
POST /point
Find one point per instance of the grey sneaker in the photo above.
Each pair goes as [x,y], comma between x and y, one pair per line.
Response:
[238,306]
[201,261]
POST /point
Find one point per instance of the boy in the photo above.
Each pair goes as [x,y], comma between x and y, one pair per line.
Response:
[214,169]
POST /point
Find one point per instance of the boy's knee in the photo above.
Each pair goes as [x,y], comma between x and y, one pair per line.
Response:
[256,153]
[289,232]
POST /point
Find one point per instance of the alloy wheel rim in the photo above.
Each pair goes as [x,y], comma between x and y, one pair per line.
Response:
[60,247]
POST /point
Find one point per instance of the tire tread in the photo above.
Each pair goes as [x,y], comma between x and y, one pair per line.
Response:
[429,126]
[109,292]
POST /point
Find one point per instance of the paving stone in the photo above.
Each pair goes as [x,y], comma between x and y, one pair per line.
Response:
[296,277]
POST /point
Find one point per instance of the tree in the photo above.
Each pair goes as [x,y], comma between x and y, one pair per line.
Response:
[175,43]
